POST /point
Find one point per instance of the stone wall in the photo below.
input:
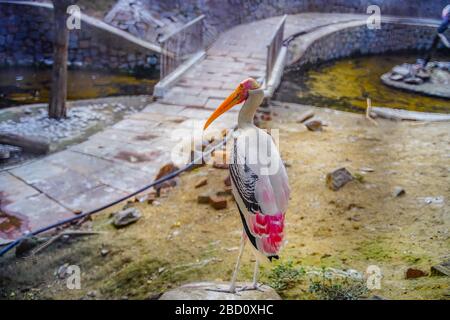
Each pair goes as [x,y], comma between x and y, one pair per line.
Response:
[150,18]
[345,41]
[26,38]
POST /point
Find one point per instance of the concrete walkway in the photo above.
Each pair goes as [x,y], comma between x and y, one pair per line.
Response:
[126,156]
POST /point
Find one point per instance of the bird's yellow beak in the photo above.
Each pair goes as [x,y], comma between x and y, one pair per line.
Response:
[233,99]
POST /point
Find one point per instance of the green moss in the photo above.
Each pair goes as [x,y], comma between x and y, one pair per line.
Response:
[375,250]
[345,85]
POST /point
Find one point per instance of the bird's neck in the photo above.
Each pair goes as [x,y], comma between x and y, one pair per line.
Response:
[255,97]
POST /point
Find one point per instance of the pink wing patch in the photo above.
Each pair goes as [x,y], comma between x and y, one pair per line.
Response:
[268,230]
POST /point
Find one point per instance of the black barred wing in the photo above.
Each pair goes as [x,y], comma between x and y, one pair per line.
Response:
[245,181]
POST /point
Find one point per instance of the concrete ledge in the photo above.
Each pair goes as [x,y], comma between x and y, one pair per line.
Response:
[400,114]
[163,86]
[277,72]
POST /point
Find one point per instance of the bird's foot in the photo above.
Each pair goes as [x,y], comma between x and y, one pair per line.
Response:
[229,290]
[254,286]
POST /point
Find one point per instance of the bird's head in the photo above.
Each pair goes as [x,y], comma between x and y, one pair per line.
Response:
[239,95]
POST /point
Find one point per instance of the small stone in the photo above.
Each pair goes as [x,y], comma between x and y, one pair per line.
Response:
[367,169]
[151,197]
[4,154]
[221,159]
[226,192]
[423,74]
[396,77]
[126,217]
[398,192]
[403,70]
[164,171]
[217,202]
[412,273]
[314,125]
[203,198]
[61,273]
[27,245]
[227,181]
[201,183]
[104,252]
[338,178]
[442,269]
[92,294]
[220,165]
[77,212]
[413,80]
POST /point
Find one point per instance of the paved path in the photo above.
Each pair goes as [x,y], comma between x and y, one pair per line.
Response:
[126,156]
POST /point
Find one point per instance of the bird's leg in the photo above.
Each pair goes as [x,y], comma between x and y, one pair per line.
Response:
[238,263]
[232,288]
[254,285]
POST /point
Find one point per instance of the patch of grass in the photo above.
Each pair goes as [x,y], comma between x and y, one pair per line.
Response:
[337,288]
[134,279]
[375,250]
[285,276]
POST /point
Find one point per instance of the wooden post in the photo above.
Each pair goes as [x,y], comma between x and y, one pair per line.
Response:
[57,105]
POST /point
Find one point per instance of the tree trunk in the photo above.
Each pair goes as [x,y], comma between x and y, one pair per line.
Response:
[57,106]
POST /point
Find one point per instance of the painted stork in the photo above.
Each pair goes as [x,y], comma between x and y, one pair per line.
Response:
[258,179]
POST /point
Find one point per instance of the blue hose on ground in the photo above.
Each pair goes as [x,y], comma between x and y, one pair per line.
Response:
[171,175]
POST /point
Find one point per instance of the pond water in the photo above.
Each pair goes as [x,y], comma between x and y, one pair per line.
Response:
[32,85]
[346,83]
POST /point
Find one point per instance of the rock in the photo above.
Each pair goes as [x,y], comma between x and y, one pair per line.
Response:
[413,80]
[314,125]
[104,252]
[338,178]
[396,77]
[151,197]
[4,154]
[205,291]
[217,202]
[220,165]
[423,74]
[61,273]
[403,70]
[164,171]
[412,273]
[201,183]
[126,217]
[92,294]
[77,212]
[227,181]
[442,269]
[203,198]
[27,245]
[398,192]
[226,192]
[220,159]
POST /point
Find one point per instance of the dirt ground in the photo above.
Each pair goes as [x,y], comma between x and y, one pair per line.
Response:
[178,241]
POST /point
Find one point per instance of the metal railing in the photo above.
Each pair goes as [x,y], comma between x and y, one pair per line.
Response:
[179,45]
[274,46]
